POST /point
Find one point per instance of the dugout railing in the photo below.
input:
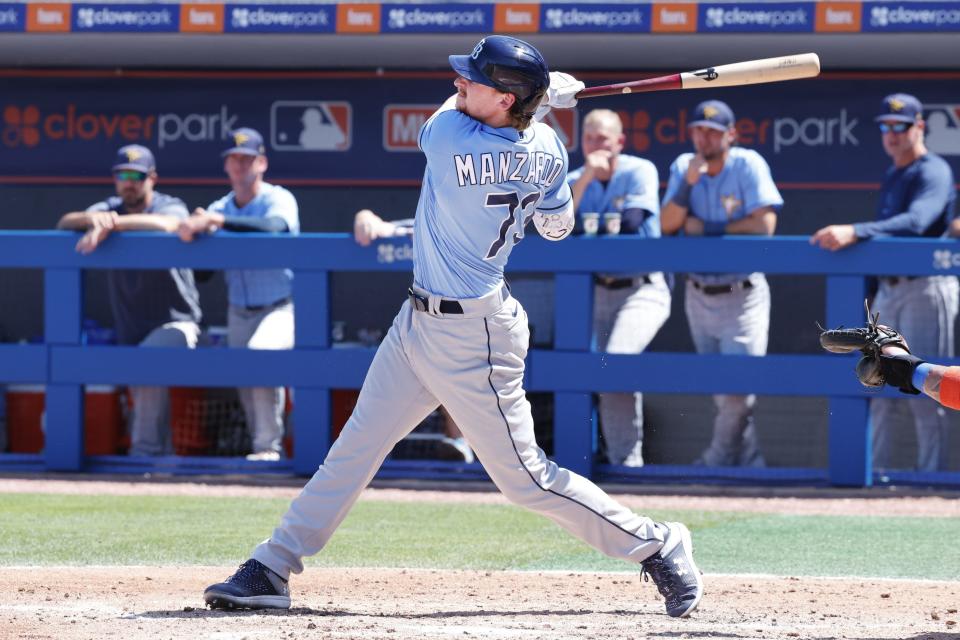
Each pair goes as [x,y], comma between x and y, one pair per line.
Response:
[571,371]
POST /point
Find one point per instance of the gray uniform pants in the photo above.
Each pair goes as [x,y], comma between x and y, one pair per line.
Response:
[625,321]
[923,310]
[473,365]
[734,323]
[268,328]
[150,423]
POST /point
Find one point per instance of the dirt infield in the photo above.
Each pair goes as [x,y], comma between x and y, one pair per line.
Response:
[141,603]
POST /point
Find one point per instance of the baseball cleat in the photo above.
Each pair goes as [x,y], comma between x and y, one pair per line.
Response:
[253,586]
[674,572]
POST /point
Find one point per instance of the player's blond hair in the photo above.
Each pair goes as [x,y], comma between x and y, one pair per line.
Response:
[601,117]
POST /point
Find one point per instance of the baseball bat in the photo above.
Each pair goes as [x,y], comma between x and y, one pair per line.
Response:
[802,65]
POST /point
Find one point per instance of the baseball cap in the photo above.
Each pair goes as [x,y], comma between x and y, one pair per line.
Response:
[713,114]
[134,157]
[901,107]
[247,142]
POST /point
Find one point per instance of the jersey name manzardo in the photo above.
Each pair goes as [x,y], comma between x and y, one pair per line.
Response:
[539,168]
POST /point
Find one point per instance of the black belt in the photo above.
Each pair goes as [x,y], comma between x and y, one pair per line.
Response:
[622,283]
[278,303]
[897,279]
[422,303]
[717,289]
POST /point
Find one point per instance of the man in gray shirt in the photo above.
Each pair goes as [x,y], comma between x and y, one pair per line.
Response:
[155,308]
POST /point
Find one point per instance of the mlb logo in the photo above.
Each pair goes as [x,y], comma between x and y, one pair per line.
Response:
[401,125]
[943,128]
[305,125]
[567,126]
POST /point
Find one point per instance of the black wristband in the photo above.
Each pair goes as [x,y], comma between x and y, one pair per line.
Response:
[682,197]
[898,371]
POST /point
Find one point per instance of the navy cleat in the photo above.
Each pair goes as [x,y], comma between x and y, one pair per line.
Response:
[253,586]
[673,571]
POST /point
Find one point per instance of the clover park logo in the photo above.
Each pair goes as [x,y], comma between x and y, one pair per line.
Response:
[879,16]
[21,126]
[715,17]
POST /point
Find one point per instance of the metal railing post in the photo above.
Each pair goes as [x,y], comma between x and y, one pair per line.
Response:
[63,312]
[850,443]
[573,410]
[311,404]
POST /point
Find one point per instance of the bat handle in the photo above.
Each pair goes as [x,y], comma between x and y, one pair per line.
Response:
[660,83]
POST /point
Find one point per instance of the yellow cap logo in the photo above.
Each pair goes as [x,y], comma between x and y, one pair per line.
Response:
[132,154]
[240,138]
[710,111]
[896,105]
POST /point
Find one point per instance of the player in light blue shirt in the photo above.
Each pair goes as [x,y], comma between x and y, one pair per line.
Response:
[261,300]
[460,339]
[628,309]
[475,205]
[723,189]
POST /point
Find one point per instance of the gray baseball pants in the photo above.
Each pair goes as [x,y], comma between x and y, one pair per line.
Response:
[625,321]
[924,310]
[268,328]
[472,364]
[150,423]
[735,323]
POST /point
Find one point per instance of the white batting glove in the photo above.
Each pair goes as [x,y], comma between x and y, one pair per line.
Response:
[560,95]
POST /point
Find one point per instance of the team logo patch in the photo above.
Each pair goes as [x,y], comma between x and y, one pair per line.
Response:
[896,105]
[730,204]
[301,125]
[710,111]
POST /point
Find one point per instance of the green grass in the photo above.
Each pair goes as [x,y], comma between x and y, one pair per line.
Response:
[175,530]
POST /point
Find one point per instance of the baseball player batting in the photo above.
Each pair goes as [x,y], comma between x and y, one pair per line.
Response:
[460,339]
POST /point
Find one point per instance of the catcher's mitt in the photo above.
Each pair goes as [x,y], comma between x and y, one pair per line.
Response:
[875,368]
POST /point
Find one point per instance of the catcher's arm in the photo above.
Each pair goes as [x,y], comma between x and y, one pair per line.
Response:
[934,380]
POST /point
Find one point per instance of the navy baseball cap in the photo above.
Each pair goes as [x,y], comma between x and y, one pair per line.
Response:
[246,142]
[713,114]
[901,107]
[134,157]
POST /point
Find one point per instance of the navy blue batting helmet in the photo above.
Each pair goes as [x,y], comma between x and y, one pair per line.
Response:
[509,65]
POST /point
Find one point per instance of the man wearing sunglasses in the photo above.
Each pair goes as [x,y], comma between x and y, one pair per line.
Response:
[917,199]
[261,300]
[155,308]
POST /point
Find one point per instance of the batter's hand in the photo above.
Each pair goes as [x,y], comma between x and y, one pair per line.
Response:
[834,237]
[561,94]
[693,226]
[696,168]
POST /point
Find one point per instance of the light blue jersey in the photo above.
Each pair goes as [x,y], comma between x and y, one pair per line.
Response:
[634,187]
[742,186]
[481,187]
[261,287]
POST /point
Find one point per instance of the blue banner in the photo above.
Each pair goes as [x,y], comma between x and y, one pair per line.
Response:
[911,16]
[591,17]
[776,17]
[280,18]
[13,17]
[437,18]
[137,18]
[353,128]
